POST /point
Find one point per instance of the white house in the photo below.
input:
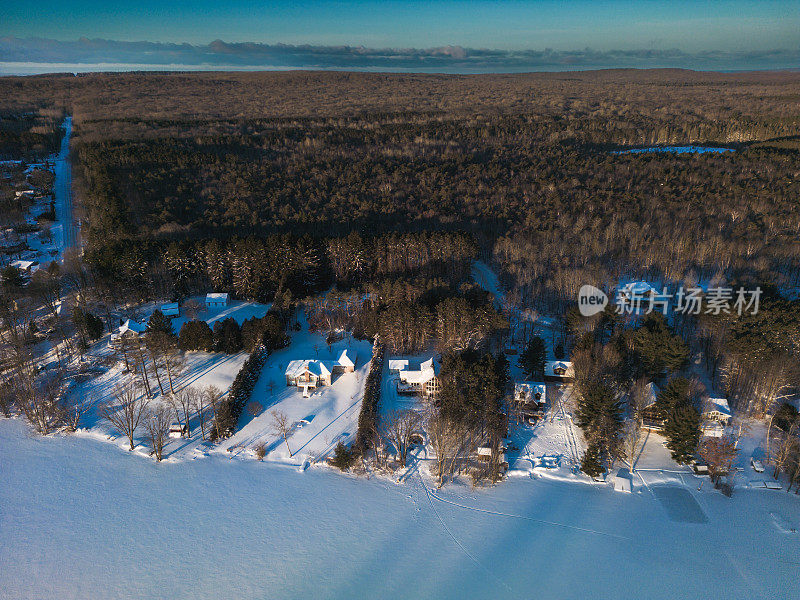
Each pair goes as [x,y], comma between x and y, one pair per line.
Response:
[559,370]
[171,309]
[424,381]
[216,300]
[128,329]
[717,409]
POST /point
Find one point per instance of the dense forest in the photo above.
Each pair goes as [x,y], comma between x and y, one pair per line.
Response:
[385,188]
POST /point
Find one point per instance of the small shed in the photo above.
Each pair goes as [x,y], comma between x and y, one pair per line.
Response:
[172,309]
[216,300]
[623,481]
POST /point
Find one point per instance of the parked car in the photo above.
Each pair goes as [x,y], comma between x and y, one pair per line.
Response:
[757,466]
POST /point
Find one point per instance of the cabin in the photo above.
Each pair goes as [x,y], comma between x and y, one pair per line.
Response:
[424,381]
[128,330]
[558,370]
[216,300]
[652,419]
[176,430]
[717,409]
[171,309]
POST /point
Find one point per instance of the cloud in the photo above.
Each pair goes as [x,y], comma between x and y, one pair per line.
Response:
[220,54]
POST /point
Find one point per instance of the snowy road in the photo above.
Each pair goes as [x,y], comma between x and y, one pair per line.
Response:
[63,192]
[82,519]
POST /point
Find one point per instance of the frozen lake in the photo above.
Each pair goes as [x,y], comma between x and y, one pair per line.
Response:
[675,150]
[83,519]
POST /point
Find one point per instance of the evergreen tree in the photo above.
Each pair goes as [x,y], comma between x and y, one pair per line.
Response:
[196,335]
[159,323]
[682,431]
[227,336]
[658,348]
[600,416]
[532,359]
[590,463]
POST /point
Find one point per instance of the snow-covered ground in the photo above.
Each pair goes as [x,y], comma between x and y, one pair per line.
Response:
[319,422]
[80,520]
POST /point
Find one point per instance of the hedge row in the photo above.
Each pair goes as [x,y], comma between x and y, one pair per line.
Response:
[368,418]
[231,407]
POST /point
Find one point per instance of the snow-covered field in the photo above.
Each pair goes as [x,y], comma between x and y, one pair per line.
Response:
[79,519]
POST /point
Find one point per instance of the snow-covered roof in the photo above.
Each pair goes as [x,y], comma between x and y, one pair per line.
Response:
[530,389]
[398,364]
[636,288]
[315,367]
[484,451]
[24,265]
[170,309]
[719,405]
[427,371]
[134,326]
[551,366]
[217,297]
[430,365]
[344,360]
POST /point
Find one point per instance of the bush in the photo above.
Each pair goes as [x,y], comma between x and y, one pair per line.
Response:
[196,335]
[255,408]
[344,457]
[261,451]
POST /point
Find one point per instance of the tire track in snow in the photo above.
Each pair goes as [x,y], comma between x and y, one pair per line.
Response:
[535,520]
[428,493]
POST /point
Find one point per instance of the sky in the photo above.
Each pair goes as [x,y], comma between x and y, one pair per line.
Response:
[732,27]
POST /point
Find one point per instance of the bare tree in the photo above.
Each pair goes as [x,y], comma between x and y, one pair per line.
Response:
[280,426]
[126,414]
[192,308]
[785,445]
[157,423]
[631,435]
[260,450]
[74,413]
[41,404]
[183,402]
[398,427]
[449,442]
[719,454]
[211,397]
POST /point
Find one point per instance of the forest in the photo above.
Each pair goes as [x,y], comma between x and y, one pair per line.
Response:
[384,188]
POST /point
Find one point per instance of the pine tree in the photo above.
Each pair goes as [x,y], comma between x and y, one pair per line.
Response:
[532,359]
[682,431]
[159,323]
[196,335]
[590,463]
